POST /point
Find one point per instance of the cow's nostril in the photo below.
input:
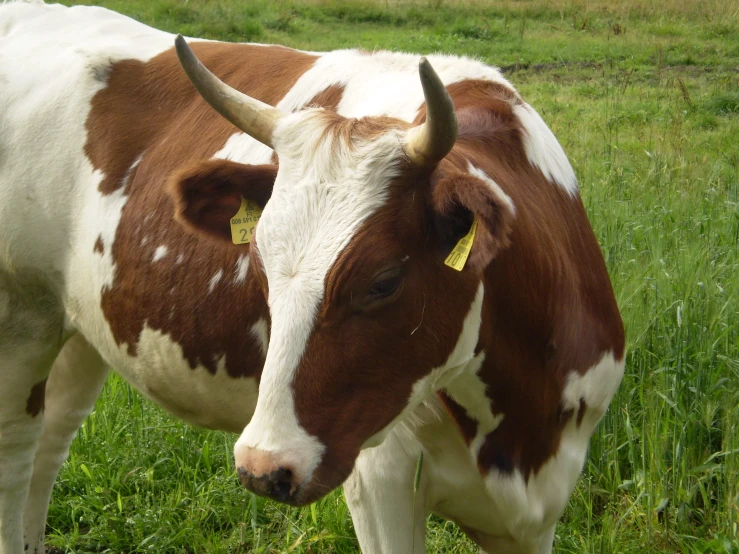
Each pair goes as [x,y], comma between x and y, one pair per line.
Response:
[282,482]
[276,484]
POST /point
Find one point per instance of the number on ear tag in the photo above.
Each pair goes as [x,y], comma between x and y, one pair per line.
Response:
[244,222]
[458,257]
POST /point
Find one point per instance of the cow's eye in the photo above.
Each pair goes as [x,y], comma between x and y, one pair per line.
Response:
[386,284]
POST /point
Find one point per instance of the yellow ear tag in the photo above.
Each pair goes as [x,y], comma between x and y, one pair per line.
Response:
[244,222]
[458,257]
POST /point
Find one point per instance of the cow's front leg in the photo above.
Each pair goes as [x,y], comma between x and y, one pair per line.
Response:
[24,366]
[74,384]
[388,517]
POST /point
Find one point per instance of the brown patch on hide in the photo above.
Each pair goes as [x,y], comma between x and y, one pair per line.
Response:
[349,131]
[98,247]
[328,98]
[36,400]
[475,97]
[549,287]
[151,107]
[467,425]
[581,411]
[150,110]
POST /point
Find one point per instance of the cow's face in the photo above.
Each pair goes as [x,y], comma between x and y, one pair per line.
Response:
[366,319]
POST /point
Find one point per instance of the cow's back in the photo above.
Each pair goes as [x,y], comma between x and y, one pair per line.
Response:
[53,60]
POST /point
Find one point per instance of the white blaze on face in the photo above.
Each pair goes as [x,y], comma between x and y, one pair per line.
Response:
[323,193]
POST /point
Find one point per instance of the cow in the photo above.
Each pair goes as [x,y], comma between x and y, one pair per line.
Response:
[422,278]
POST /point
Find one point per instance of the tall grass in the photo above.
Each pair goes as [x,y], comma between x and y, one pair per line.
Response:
[708,9]
[643,96]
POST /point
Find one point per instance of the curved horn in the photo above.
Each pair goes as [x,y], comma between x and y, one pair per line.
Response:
[428,143]
[255,118]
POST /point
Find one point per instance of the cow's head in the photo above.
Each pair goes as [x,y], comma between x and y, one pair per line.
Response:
[366,318]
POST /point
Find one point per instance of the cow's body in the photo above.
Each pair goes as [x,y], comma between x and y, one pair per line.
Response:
[99,114]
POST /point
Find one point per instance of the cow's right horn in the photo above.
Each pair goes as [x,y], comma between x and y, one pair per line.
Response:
[255,118]
[429,142]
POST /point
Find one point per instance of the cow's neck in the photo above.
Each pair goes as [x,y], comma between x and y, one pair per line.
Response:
[547,321]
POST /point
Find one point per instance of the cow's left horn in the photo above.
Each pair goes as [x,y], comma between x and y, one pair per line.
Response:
[255,118]
[428,143]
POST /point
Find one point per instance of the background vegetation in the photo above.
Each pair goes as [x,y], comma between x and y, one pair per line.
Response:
[644,96]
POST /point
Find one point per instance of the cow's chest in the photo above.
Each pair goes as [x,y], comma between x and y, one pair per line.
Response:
[502,512]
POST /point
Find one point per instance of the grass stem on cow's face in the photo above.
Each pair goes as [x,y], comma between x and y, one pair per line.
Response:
[416,483]
[660,180]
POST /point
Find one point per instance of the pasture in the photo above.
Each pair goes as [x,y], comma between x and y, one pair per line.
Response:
[644,97]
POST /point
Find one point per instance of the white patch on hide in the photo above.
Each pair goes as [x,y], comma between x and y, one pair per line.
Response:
[244,149]
[596,387]
[500,195]
[543,150]
[533,507]
[161,372]
[468,390]
[242,268]
[383,83]
[260,331]
[213,283]
[159,253]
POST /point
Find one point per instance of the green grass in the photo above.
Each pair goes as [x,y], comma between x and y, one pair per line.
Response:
[643,96]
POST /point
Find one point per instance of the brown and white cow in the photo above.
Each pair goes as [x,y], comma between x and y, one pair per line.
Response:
[366,347]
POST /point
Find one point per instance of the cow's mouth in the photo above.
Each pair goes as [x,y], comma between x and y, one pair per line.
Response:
[282,484]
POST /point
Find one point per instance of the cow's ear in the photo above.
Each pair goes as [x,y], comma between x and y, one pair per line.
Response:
[461,198]
[208,194]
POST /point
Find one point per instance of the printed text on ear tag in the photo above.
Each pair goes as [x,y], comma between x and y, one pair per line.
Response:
[457,258]
[244,222]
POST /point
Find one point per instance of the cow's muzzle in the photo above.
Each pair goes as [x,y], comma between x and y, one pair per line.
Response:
[277,485]
[271,475]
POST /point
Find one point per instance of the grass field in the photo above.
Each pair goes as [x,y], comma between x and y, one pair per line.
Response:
[644,97]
